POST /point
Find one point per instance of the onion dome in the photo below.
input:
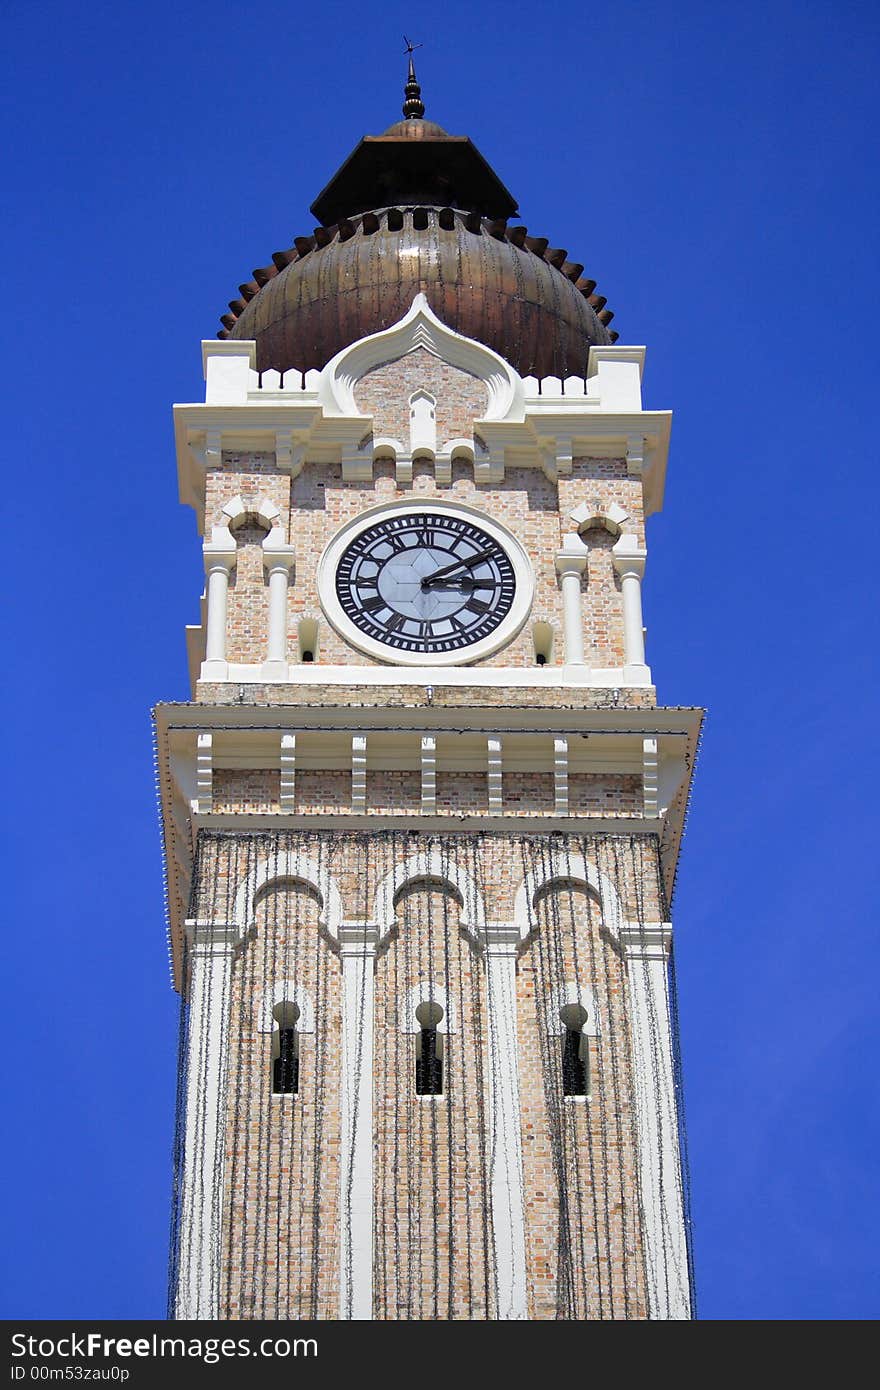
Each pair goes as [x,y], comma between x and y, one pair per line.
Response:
[411,210]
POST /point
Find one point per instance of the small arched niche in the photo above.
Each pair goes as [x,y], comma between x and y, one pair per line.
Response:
[543,641]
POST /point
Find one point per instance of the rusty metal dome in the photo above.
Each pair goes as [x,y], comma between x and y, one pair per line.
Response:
[484,279]
[411,210]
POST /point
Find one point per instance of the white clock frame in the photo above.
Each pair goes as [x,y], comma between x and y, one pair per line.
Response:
[506,630]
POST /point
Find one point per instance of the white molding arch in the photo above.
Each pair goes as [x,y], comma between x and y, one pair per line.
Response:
[236,510]
[426,992]
[289,868]
[421,328]
[458,448]
[431,868]
[589,516]
[561,869]
[286,992]
[385,447]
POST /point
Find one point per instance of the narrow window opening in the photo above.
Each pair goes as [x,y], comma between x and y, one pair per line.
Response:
[307,639]
[542,638]
[285,1051]
[429,1055]
[575,1063]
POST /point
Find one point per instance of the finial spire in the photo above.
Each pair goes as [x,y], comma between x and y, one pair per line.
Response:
[413,106]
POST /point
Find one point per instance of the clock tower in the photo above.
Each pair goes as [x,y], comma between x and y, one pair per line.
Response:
[422,814]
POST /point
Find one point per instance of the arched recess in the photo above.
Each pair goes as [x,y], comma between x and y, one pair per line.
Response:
[421,328]
[436,868]
[560,869]
[289,867]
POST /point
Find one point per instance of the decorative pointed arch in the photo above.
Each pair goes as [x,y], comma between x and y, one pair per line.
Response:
[421,328]
[432,867]
[560,869]
[289,868]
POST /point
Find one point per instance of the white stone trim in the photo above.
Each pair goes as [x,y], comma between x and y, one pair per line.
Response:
[596,514]
[294,868]
[663,1227]
[278,561]
[204,774]
[237,510]
[650,777]
[560,776]
[359,773]
[357,948]
[219,555]
[287,761]
[429,774]
[436,868]
[420,328]
[628,558]
[503,634]
[199,1273]
[571,561]
[422,423]
[505,1126]
[495,768]
[618,678]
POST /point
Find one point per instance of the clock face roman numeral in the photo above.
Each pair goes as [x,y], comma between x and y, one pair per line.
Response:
[425,582]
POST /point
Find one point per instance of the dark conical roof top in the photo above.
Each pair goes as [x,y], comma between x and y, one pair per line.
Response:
[413,161]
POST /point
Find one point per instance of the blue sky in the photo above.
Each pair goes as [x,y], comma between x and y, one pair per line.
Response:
[714,167]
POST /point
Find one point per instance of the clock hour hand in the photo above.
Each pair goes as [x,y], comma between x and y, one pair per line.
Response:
[459,564]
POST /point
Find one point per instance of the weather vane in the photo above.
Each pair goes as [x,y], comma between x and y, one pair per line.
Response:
[413,106]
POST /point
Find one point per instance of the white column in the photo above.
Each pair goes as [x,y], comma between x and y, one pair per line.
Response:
[219,554]
[358,948]
[505,1124]
[495,767]
[629,562]
[201,1200]
[278,559]
[288,772]
[571,562]
[429,775]
[665,1244]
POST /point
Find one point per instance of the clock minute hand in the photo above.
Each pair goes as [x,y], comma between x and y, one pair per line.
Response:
[459,564]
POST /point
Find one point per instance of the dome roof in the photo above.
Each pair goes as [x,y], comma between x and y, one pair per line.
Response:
[415,128]
[484,279]
[416,210]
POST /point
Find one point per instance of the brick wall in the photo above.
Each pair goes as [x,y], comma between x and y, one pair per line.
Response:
[587,1256]
[432,1255]
[281,1207]
[317,503]
[384,393]
[433,1245]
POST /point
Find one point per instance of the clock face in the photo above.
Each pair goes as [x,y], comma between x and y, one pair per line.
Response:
[433,582]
